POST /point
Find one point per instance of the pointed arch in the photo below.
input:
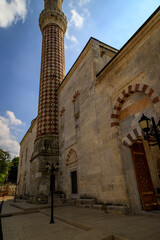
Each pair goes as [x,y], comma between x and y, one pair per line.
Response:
[125,94]
[71,157]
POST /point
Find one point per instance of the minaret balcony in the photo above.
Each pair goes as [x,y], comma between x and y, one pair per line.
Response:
[55,16]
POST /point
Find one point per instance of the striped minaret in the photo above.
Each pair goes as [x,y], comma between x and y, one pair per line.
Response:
[53,25]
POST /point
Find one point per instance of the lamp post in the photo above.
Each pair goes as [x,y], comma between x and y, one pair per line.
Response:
[53,170]
[150,129]
[15,193]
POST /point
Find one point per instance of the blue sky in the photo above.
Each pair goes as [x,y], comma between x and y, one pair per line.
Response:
[112,22]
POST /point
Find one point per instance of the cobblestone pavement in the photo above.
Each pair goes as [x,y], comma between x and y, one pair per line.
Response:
[73,223]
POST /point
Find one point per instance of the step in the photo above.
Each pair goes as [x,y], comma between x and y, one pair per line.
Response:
[115,209]
[85,202]
[97,206]
[97,235]
[155,213]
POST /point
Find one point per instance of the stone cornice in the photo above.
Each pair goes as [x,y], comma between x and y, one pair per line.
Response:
[53,17]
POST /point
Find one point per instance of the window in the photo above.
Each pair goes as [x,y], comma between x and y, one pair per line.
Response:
[76,108]
[76,104]
[74,182]
[62,117]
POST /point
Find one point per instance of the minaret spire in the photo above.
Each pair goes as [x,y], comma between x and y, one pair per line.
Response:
[53,25]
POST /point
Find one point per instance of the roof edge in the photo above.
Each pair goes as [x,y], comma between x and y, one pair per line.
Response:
[69,72]
[29,129]
[73,65]
[130,39]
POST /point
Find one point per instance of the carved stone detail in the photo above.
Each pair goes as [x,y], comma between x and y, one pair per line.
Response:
[46,146]
[56,17]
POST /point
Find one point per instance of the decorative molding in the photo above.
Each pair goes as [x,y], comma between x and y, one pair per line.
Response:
[77,93]
[55,17]
[46,146]
[71,153]
[131,137]
[62,117]
[125,94]
[62,111]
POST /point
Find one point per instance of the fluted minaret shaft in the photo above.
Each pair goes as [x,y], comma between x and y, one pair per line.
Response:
[53,26]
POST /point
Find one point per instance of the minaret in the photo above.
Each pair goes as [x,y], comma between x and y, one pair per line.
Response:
[53,25]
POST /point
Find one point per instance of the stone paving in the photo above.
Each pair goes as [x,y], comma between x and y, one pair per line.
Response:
[73,223]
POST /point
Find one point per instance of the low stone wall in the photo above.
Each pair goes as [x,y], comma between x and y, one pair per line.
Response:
[39,199]
[93,204]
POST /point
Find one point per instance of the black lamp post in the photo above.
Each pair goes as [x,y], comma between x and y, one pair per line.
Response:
[150,129]
[15,193]
[53,170]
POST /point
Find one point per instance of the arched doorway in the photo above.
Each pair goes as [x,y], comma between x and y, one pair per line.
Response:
[143,176]
[72,167]
[141,172]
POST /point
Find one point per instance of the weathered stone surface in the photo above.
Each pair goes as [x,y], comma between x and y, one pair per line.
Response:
[120,210]
[100,102]
[105,168]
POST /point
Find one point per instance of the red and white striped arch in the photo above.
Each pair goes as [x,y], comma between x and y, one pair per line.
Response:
[131,137]
[125,94]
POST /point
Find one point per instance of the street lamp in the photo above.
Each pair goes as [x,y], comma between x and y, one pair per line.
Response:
[15,193]
[150,129]
[53,170]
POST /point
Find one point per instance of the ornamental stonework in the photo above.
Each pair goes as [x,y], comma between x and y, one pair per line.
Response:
[53,17]
[46,146]
[52,73]
[72,158]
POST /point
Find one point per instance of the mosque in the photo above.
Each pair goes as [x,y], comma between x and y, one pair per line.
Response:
[88,121]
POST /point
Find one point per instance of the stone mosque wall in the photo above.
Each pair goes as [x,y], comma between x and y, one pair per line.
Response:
[100,134]
[100,102]
[24,168]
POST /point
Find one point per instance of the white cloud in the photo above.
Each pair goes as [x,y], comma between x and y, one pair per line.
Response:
[86,13]
[13,120]
[71,37]
[76,19]
[12,11]
[7,139]
[72,41]
[76,22]
[83,2]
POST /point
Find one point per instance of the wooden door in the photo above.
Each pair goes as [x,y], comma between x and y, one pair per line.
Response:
[144,181]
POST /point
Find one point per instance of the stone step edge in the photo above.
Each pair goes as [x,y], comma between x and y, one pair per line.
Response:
[70,222]
[30,209]
[5,215]
[150,214]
